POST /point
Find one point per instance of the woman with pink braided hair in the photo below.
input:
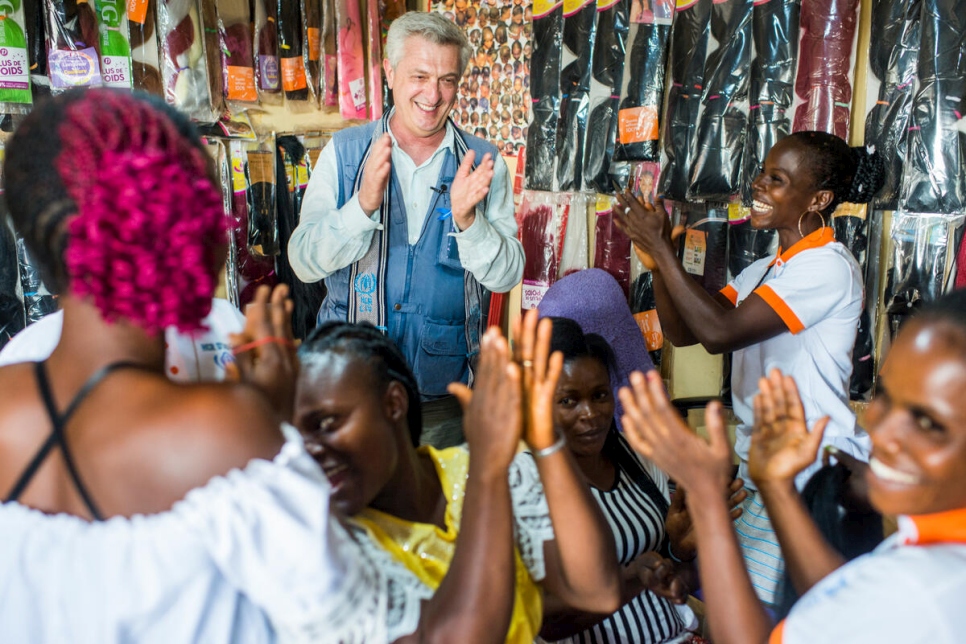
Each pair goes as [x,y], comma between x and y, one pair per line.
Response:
[134,508]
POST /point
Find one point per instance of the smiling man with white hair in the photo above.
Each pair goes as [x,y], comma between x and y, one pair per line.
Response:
[409,220]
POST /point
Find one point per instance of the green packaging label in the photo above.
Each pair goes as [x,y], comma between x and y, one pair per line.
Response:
[14,65]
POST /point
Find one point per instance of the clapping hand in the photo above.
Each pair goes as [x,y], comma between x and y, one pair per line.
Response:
[655,429]
[781,445]
[492,414]
[264,351]
[375,176]
[541,370]
[469,188]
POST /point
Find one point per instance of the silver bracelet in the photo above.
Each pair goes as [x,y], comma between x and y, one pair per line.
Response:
[547,451]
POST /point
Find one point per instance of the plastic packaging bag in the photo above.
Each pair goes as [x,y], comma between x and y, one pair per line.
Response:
[306,298]
[851,229]
[374,59]
[15,94]
[12,314]
[72,45]
[268,75]
[720,136]
[542,222]
[775,29]
[313,19]
[238,60]
[746,244]
[38,301]
[579,32]
[935,171]
[606,81]
[32,24]
[115,43]
[545,92]
[292,53]
[893,60]
[826,58]
[352,77]
[644,307]
[704,248]
[688,48]
[330,58]
[254,237]
[612,248]
[924,248]
[642,90]
[575,254]
[145,63]
[184,67]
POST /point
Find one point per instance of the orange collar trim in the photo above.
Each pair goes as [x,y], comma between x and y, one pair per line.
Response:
[821,237]
[925,529]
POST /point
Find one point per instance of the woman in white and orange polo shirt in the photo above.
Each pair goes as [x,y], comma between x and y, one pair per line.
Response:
[910,588]
[797,312]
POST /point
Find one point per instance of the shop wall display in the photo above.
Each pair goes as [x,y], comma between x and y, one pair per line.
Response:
[494,94]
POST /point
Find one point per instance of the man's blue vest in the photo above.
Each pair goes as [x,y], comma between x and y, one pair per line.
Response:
[427,316]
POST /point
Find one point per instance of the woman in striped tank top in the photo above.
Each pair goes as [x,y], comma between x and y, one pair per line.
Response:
[648,527]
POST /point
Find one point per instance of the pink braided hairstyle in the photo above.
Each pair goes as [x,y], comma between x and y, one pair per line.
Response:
[149,229]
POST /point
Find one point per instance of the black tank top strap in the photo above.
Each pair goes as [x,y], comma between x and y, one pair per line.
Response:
[57,435]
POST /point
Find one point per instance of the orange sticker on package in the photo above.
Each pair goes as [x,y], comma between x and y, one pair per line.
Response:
[637,124]
[137,11]
[651,329]
[241,84]
[293,74]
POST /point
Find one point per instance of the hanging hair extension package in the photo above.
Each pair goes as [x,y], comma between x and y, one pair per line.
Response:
[184,65]
[72,45]
[237,51]
[145,61]
[890,89]
[268,75]
[642,88]
[579,32]
[254,233]
[313,23]
[612,248]
[775,30]
[723,118]
[292,56]
[606,75]
[542,222]
[12,313]
[329,81]
[15,94]
[374,59]
[823,87]
[352,76]
[115,43]
[545,92]
[686,63]
[704,251]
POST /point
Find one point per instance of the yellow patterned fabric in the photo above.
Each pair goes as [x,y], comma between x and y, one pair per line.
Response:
[427,550]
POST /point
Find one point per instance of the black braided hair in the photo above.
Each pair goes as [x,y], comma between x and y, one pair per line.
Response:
[853,175]
[366,342]
[569,339]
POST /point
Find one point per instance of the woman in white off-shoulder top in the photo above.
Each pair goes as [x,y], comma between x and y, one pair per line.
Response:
[140,510]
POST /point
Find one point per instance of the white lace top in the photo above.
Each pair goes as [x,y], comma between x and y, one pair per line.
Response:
[253,556]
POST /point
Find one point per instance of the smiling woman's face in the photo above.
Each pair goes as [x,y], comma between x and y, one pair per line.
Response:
[917,422]
[584,405]
[348,425]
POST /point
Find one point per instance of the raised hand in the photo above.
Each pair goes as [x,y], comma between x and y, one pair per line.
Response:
[680,529]
[541,371]
[655,429]
[492,414]
[265,349]
[781,445]
[469,188]
[375,176]
[647,225]
[659,576]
